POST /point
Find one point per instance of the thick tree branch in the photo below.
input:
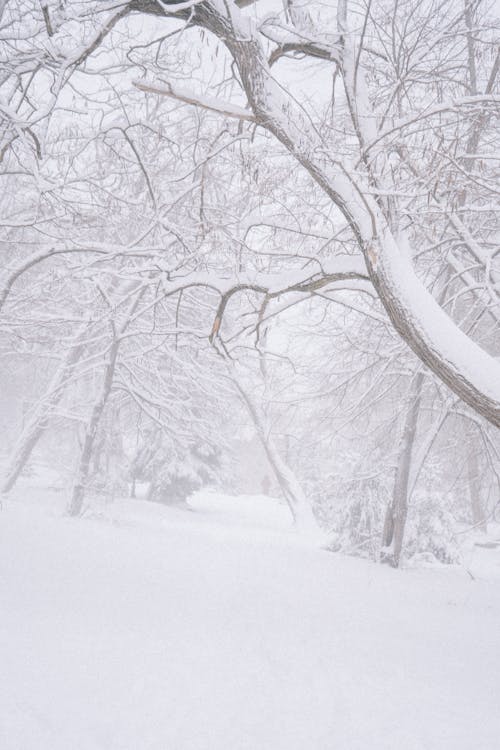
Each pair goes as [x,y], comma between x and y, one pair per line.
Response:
[455,358]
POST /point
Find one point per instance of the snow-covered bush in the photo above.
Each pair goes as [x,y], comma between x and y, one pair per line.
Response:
[355,517]
[179,477]
[431,531]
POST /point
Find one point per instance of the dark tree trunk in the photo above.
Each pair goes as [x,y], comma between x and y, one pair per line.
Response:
[78,495]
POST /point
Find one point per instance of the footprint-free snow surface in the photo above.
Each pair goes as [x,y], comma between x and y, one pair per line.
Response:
[218,629]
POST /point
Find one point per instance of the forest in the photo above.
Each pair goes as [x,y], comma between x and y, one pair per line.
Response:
[250,305]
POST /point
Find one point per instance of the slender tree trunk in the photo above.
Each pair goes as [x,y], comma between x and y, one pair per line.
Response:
[477,508]
[397,511]
[290,487]
[409,467]
[38,421]
[78,494]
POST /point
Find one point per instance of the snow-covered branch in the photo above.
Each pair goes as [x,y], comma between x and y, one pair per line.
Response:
[210,103]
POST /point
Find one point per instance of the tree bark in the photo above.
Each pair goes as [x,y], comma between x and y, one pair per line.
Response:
[76,503]
[37,423]
[477,507]
[397,511]
[295,498]
[457,360]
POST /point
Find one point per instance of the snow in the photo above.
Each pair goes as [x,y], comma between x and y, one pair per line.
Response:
[147,628]
[200,100]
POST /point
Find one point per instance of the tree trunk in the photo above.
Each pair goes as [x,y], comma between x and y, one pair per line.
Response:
[78,494]
[37,423]
[294,496]
[456,359]
[477,507]
[397,511]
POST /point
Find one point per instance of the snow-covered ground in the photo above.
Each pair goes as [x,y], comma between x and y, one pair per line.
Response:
[217,629]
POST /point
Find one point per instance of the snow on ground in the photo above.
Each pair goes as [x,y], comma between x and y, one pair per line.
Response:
[149,628]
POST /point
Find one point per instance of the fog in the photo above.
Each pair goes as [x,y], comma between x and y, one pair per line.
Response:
[250,382]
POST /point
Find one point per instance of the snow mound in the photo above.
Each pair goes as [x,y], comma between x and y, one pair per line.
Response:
[216,629]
